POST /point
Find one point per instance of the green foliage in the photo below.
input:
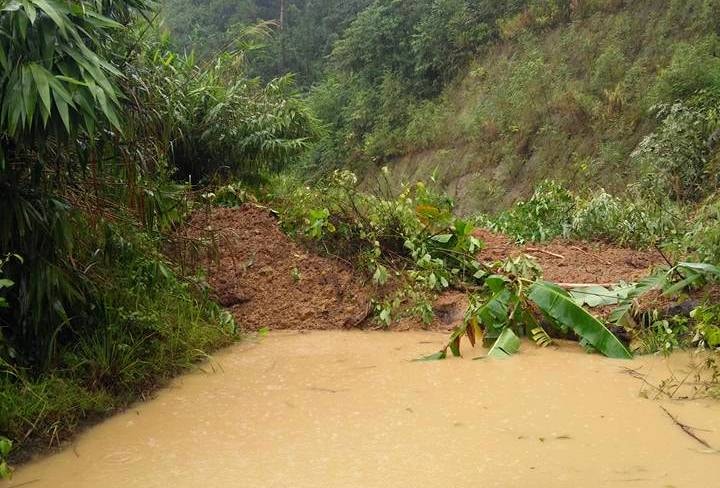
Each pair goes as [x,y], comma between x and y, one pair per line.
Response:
[702,238]
[230,195]
[414,231]
[662,335]
[557,304]
[509,307]
[506,345]
[542,217]
[213,120]
[679,152]
[631,221]
[97,116]
[693,67]
[5,448]
[46,408]
[54,81]
[707,325]
[641,219]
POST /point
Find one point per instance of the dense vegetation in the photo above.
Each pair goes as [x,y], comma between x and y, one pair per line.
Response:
[103,129]
[495,96]
[113,125]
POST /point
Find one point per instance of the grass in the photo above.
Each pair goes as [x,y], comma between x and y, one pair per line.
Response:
[151,326]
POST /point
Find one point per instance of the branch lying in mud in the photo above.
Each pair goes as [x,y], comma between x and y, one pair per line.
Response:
[585,285]
[544,251]
[686,428]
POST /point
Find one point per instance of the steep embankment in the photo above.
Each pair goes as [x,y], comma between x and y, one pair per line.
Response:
[569,102]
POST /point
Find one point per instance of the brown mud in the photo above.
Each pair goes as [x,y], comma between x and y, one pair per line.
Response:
[268,281]
[575,262]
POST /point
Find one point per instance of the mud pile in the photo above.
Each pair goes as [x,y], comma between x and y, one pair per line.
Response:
[267,280]
[575,262]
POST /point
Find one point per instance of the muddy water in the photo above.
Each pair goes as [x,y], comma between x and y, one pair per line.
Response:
[347,409]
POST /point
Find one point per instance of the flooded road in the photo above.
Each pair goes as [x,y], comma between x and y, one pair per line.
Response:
[348,409]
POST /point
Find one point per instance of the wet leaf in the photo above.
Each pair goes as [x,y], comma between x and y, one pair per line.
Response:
[5,447]
[455,346]
[470,331]
[595,296]
[506,345]
[442,238]
[558,305]
[705,268]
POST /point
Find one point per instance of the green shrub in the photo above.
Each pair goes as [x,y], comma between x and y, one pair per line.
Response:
[413,232]
[694,66]
[702,240]
[675,157]
[630,221]
[545,215]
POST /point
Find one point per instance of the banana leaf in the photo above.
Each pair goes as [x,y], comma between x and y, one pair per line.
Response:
[506,345]
[556,303]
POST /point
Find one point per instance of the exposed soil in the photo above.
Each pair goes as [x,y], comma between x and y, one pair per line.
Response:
[575,262]
[267,280]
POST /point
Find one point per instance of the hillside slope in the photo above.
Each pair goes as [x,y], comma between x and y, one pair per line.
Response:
[570,102]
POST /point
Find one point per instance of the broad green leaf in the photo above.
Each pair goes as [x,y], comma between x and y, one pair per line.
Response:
[62,107]
[705,268]
[494,313]
[442,238]
[496,282]
[52,12]
[506,345]
[682,284]
[565,312]
[30,11]
[594,296]
[5,283]
[455,346]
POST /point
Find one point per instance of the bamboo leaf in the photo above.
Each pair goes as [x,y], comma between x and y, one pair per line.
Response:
[563,310]
[41,76]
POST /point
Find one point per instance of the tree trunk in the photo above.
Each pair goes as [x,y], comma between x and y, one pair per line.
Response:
[282,14]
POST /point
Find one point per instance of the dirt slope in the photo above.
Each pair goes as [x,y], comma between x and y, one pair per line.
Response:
[267,280]
[575,262]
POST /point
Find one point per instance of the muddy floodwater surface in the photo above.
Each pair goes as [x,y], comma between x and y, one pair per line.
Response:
[348,409]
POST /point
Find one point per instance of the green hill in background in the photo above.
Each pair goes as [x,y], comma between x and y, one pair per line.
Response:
[492,96]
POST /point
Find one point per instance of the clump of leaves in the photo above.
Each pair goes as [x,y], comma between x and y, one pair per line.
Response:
[230,195]
[5,448]
[707,326]
[515,304]
[410,238]
[546,214]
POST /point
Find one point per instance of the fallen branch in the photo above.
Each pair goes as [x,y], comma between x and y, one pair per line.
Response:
[534,249]
[607,263]
[584,285]
[686,428]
